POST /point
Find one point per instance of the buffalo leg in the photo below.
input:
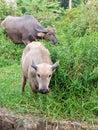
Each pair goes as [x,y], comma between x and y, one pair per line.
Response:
[23,83]
[32,85]
[25,39]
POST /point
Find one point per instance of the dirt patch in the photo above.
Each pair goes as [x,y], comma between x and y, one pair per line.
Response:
[8,121]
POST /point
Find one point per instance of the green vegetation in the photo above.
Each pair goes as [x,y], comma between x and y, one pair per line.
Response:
[74,85]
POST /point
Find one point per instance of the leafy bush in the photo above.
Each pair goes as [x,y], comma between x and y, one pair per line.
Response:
[86,23]
[78,62]
[6,10]
[45,11]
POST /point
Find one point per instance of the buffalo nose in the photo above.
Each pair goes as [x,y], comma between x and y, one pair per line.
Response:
[55,42]
[43,91]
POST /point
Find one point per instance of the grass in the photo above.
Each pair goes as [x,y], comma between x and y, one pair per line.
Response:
[74,86]
[12,97]
[51,105]
[69,99]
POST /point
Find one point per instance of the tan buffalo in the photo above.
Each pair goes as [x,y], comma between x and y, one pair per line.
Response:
[37,67]
[26,29]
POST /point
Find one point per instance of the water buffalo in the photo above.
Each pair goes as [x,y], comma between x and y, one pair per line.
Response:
[37,67]
[26,29]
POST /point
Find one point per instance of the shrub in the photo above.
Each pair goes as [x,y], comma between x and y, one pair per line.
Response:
[44,10]
[6,10]
[86,23]
[78,64]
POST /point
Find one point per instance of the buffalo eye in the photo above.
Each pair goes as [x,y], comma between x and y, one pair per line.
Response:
[49,34]
[38,75]
[50,75]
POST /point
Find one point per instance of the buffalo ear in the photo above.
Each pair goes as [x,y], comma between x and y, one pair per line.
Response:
[52,29]
[41,34]
[34,66]
[55,65]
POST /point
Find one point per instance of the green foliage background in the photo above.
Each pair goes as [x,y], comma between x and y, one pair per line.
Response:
[75,83]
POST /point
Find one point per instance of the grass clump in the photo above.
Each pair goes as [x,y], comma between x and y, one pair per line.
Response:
[86,22]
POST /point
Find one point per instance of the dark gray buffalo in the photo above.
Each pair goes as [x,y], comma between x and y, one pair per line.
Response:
[26,29]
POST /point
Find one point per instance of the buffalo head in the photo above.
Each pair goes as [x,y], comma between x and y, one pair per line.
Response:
[49,35]
[44,73]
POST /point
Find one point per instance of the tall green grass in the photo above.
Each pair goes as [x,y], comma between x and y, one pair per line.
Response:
[74,85]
